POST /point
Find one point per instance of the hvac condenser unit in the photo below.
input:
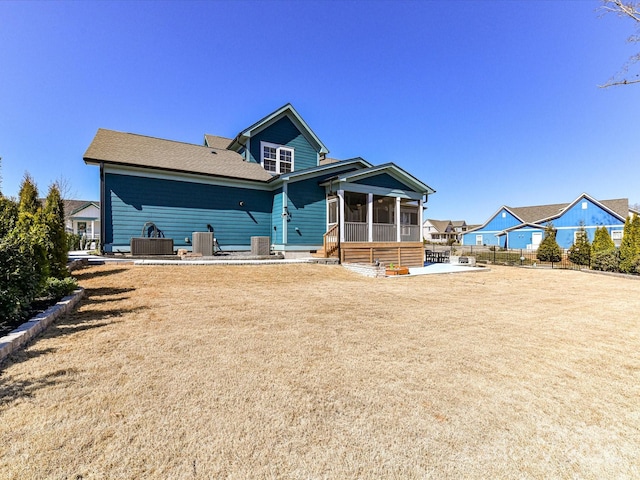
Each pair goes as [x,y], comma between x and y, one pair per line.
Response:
[260,246]
[203,243]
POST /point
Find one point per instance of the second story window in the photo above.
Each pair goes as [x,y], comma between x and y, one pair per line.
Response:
[276,158]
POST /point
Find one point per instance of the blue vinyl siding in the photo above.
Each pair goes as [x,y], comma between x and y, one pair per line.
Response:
[180,208]
[384,180]
[307,206]
[284,132]
[499,223]
[522,237]
[496,225]
[591,217]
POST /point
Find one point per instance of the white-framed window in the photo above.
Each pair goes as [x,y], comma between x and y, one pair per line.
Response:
[276,158]
[616,235]
[478,239]
[579,233]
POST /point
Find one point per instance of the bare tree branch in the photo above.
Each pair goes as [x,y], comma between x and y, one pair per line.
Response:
[627,10]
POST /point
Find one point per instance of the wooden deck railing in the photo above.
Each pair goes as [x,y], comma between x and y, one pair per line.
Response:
[330,240]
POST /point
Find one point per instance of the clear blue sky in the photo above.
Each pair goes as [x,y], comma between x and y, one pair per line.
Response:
[488,102]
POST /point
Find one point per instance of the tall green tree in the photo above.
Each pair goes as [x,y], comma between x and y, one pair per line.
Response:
[32,230]
[603,251]
[580,252]
[56,235]
[630,246]
[28,197]
[602,241]
[549,250]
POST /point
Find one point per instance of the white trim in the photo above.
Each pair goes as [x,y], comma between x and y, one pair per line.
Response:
[420,216]
[586,227]
[380,191]
[187,177]
[341,213]
[370,217]
[398,224]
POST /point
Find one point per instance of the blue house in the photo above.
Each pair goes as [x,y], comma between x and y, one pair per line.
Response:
[523,227]
[272,179]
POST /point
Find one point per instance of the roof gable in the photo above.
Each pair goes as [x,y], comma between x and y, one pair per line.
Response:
[505,217]
[619,208]
[288,111]
[85,206]
[392,170]
[441,226]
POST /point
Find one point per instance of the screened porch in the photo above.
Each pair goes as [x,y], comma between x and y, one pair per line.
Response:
[374,218]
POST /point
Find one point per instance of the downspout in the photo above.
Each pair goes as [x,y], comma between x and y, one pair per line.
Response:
[102,210]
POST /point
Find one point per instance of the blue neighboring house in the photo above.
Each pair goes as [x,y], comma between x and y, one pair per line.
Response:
[523,227]
[273,179]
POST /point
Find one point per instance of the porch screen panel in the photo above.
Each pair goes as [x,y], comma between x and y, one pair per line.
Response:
[355,225]
[384,219]
[410,228]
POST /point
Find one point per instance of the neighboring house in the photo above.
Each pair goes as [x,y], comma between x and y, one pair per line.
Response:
[523,227]
[272,180]
[459,226]
[82,217]
[443,231]
[438,231]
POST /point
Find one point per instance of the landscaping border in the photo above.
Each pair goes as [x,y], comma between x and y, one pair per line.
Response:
[17,338]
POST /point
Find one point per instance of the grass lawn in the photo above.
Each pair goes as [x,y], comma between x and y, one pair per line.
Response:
[308,371]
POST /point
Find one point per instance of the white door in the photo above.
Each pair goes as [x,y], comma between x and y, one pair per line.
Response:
[536,238]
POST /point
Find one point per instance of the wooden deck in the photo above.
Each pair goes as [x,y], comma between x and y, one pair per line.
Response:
[408,254]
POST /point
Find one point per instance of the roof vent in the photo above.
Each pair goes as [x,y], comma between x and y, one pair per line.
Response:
[214,152]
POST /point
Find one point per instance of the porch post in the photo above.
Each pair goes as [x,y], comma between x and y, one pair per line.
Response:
[93,230]
[420,219]
[398,239]
[370,216]
[341,213]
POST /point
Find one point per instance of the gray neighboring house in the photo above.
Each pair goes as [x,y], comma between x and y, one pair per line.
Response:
[444,231]
[82,217]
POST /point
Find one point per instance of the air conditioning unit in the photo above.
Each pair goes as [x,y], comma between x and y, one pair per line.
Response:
[260,246]
[203,243]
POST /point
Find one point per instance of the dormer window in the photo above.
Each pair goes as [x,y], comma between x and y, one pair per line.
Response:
[276,158]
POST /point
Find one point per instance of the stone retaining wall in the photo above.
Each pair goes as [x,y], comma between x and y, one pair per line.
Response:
[366,269]
[20,336]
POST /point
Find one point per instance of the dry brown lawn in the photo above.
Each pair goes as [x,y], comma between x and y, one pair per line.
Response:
[314,372]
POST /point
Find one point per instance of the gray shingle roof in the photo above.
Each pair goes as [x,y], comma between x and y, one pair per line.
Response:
[129,149]
[215,141]
[535,214]
[440,225]
[618,205]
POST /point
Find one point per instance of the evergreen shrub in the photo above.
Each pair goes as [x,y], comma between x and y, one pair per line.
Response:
[605,260]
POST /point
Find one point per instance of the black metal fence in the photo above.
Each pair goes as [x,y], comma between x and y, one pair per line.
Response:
[498,256]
